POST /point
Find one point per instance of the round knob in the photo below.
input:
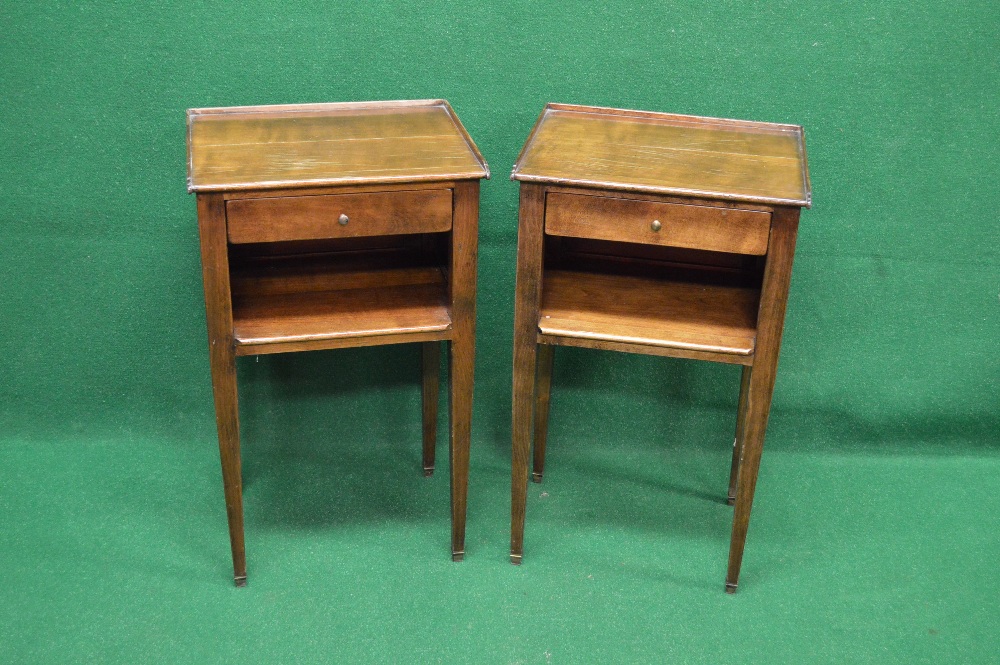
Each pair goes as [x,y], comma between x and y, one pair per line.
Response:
[343,220]
[656,226]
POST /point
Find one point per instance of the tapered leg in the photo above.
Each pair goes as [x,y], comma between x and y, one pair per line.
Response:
[430,384]
[527,296]
[460,405]
[543,390]
[738,438]
[759,405]
[770,323]
[462,352]
[222,356]
[524,389]
[227,420]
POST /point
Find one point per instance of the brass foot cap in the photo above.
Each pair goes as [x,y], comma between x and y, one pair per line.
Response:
[730,587]
[730,500]
[428,471]
[536,477]
[240,580]
[457,556]
[515,559]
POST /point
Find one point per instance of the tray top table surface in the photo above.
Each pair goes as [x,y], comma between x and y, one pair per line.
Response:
[665,153]
[313,145]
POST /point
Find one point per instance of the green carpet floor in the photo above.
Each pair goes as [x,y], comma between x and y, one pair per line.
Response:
[117,550]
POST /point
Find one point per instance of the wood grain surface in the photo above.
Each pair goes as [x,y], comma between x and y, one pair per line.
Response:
[773,302]
[659,234]
[314,217]
[543,394]
[644,349]
[667,153]
[527,297]
[430,369]
[222,358]
[312,315]
[462,270]
[348,225]
[741,412]
[261,147]
[615,308]
[654,223]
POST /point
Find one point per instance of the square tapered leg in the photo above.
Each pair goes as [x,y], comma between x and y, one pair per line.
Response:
[543,393]
[526,305]
[222,357]
[738,437]
[462,352]
[771,321]
[431,372]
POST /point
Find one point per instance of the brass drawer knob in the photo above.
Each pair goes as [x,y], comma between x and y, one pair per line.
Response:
[656,226]
[343,220]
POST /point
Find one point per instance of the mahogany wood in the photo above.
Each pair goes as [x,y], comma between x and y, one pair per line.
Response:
[287,276]
[464,252]
[431,370]
[222,357]
[741,411]
[774,298]
[667,153]
[323,190]
[284,272]
[527,299]
[699,317]
[268,147]
[698,227]
[660,234]
[639,195]
[339,216]
[341,343]
[644,349]
[543,390]
[317,315]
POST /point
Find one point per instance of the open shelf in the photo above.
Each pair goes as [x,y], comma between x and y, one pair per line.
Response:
[336,299]
[702,317]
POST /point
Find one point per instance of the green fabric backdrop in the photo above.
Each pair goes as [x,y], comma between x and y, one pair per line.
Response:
[877,524]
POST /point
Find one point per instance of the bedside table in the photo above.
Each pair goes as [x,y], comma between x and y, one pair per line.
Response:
[661,234]
[326,226]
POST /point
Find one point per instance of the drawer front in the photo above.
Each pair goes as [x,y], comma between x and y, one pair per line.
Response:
[338,215]
[655,223]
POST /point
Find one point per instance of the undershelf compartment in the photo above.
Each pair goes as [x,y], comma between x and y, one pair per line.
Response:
[661,301]
[330,300]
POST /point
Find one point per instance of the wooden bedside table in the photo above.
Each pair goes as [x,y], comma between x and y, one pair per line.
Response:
[327,226]
[661,234]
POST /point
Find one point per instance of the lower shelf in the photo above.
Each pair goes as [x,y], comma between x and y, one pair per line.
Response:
[410,302]
[665,314]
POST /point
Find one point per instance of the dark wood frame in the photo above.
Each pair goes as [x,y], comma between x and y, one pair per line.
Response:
[534,350]
[458,266]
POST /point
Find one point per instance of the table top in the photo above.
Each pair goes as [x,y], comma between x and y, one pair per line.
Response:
[309,145]
[665,153]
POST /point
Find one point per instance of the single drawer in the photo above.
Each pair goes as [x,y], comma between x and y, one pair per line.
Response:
[338,215]
[655,223]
